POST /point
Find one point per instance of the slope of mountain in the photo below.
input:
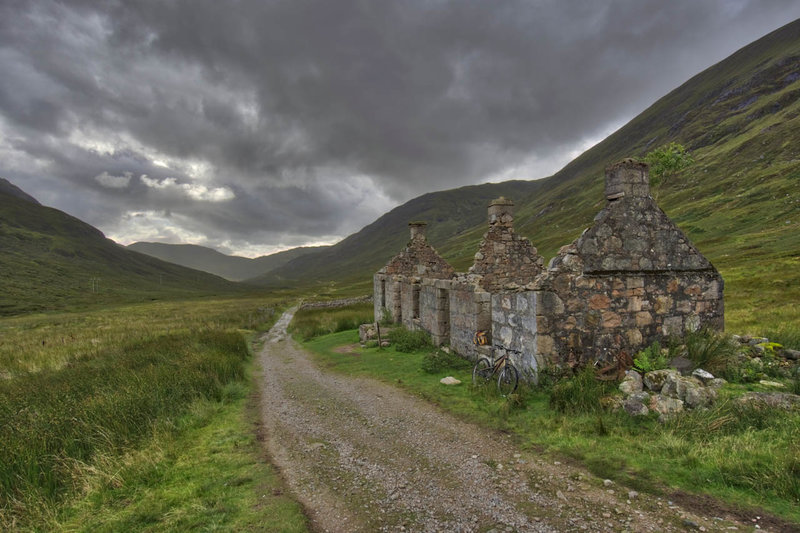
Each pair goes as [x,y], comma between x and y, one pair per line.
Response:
[12,190]
[230,267]
[52,261]
[448,213]
[739,203]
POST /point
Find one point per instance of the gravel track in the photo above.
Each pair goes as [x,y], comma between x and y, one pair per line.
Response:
[361,455]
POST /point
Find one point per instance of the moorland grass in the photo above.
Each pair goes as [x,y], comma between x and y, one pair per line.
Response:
[741,455]
[112,399]
[313,322]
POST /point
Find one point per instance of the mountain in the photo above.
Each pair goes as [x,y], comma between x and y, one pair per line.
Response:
[739,203]
[10,189]
[52,261]
[447,213]
[230,267]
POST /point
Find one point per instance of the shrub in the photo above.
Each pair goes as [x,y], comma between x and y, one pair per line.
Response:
[407,341]
[651,358]
[710,350]
[439,361]
[581,394]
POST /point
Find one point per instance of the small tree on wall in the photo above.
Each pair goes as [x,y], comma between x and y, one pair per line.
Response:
[666,161]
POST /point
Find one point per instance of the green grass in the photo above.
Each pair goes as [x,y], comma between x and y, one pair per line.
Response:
[132,418]
[207,476]
[742,456]
[313,322]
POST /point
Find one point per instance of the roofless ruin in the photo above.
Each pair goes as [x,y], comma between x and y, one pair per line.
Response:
[630,279]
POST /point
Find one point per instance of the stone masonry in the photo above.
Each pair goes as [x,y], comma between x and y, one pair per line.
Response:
[504,258]
[630,279]
[397,286]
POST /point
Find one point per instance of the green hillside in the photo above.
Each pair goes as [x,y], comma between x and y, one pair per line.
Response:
[739,202]
[448,213]
[230,267]
[51,261]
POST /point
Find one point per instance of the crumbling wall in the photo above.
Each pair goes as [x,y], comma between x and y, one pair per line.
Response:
[397,284]
[470,312]
[393,299]
[514,330]
[504,259]
[435,310]
[410,303]
[630,279]
[379,297]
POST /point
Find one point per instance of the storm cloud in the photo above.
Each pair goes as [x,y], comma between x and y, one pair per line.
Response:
[255,125]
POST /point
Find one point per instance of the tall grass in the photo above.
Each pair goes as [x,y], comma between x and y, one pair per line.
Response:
[310,323]
[120,377]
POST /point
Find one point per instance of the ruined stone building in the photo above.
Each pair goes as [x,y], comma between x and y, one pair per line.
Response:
[630,279]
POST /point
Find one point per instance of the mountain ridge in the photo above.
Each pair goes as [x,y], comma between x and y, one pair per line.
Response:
[230,267]
[54,261]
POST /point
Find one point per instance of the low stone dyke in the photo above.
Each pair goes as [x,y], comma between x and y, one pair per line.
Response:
[342,302]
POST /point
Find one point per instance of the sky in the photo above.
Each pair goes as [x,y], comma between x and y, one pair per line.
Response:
[252,126]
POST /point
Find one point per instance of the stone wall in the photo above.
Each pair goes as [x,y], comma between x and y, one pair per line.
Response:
[410,303]
[435,310]
[379,300]
[630,279]
[504,259]
[470,311]
[514,331]
[341,302]
[419,258]
[393,298]
[586,317]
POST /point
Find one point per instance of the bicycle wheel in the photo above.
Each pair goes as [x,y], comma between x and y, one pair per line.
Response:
[482,371]
[508,380]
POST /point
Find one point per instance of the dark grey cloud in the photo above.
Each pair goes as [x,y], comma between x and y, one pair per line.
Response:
[258,123]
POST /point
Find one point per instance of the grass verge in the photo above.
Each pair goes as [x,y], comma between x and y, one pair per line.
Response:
[744,457]
[134,419]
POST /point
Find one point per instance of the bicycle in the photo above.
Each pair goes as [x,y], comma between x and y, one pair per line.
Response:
[508,375]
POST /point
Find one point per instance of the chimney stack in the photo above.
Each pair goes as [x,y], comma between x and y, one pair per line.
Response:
[628,178]
[417,230]
[501,212]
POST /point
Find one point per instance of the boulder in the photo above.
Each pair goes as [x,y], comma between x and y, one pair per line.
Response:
[699,397]
[654,380]
[794,355]
[779,400]
[703,375]
[631,383]
[450,380]
[635,407]
[665,405]
[717,383]
[643,397]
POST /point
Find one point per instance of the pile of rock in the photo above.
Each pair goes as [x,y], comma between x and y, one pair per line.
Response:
[667,392]
[760,345]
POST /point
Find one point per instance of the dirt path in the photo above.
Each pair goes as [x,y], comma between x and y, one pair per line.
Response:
[364,456]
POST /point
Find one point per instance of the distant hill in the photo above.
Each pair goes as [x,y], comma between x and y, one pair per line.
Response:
[230,267]
[51,261]
[739,203]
